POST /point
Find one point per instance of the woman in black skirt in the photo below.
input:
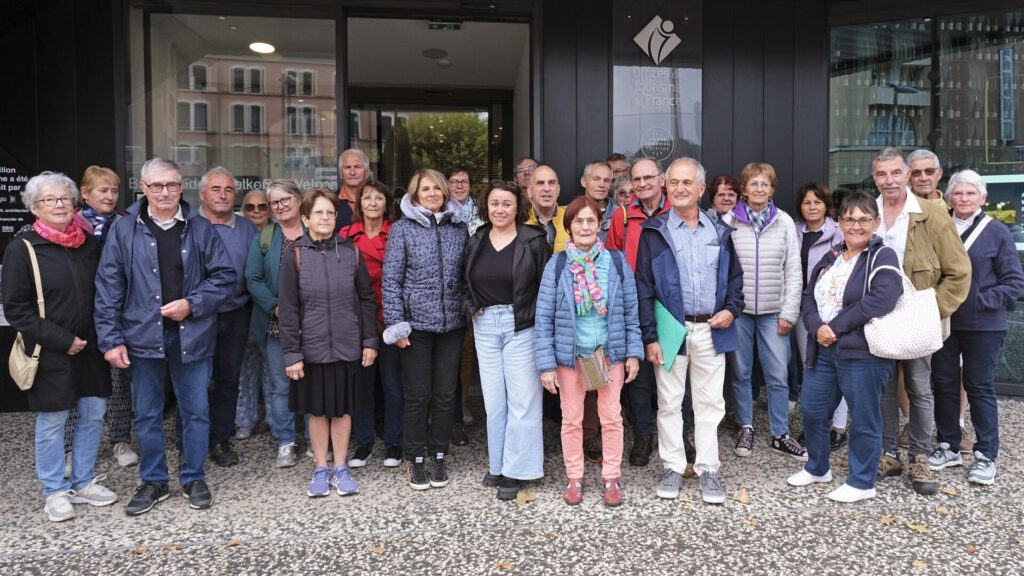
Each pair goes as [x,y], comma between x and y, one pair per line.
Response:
[327,316]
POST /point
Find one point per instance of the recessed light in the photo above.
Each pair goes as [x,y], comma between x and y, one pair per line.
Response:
[220,18]
[262,48]
[444,62]
[434,53]
[234,27]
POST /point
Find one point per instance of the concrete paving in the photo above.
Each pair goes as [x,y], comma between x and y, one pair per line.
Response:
[263,523]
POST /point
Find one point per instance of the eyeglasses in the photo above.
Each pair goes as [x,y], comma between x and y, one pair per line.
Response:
[857,222]
[645,179]
[160,186]
[459,182]
[256,207]
[928,171]
[54,200]
[525,170]
[282,203]
[321,214]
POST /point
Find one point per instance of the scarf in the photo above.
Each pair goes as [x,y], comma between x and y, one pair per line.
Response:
[757,219]
[97,220]
[72,237]
[586,289]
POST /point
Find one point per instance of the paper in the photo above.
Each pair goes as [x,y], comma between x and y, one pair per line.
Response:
[671,334]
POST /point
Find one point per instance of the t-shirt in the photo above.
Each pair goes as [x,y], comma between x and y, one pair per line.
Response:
[491,274]
[829,289]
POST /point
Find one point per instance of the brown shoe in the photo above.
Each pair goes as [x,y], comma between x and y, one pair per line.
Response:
[966,441]
[574,491]
[904,438]
[889,466]
[612,492]
[921,476]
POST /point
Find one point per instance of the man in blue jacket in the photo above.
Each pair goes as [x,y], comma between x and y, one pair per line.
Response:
[163,274]
[687,275]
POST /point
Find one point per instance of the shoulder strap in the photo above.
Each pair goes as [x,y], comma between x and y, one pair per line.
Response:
[617,261]
[977,231]
[625,222]
[266,237]
[36,277]
[355,268]
[298,258]
[559,265]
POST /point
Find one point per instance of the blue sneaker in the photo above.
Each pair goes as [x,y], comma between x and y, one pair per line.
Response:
[343,482]
[320,484]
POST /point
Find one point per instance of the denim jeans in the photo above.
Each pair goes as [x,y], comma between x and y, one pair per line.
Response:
[388,368]
[232,333]
[252,379]
[190,382]
[430,368]
[84,445]
[861,382]
[512,394]
[281,419]
[980,350]
[773,351]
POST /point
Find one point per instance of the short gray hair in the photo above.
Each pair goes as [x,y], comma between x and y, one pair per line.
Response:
[285,186]
[702,174]
[887,154]
[158,163]
[590,166]
[969,177]
[356,152]
[645,159]
[621,182]
[922,154]
[34,188]
[217,170]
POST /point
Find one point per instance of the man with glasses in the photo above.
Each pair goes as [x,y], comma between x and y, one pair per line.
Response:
[619,164]
[217,204]
[925,173]
[163,275]
[524,168]
[353,173]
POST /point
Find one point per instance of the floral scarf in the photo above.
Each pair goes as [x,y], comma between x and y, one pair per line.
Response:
[586,289]
[72,237]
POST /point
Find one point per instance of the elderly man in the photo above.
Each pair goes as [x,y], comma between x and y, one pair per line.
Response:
[932,256]
[597,183]
[546,214]
[925,173]
[618,163]
[353,171]
[163,275]
[217,203]
[524,168]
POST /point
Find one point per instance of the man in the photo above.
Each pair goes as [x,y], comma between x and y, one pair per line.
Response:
[932,256]
[546,214]
[597,183]
[354,171]
[687,265]
[618,163]
[925,173]
[216,203]
[163,274]
[524,169]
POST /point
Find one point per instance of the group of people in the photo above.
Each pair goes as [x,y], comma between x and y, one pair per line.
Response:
[630,295]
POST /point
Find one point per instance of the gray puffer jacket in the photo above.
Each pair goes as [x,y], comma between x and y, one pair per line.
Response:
[772,279]
[422,283]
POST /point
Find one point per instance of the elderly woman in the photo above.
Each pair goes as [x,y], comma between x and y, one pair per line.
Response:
[978,328]
[504,263]
[261,276]
[256,209]
[845,295]
[371,224]
[587,304]
[769,252]
[72,372]
[622,188]
[327,318]
[723,196]
[423,289]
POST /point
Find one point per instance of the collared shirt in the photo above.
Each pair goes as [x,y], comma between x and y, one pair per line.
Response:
[696,254]
[963,225]
[896,237]
[166,224]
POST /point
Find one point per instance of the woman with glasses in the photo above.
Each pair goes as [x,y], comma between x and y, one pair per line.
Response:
[844,295]
[261,276]
[723,196]
[252,379]
[504,263]
[72,373]
[327,318]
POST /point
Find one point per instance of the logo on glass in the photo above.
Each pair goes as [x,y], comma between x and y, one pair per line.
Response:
[657,39]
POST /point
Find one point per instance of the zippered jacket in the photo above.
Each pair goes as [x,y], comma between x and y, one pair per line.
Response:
[772,279]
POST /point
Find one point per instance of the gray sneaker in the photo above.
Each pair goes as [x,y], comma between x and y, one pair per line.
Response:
[983,471]
[286,456]
[711,488]
[669,486]
[943,457]
[93,493]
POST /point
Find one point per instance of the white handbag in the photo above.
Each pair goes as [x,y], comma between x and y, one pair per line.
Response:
[912,330]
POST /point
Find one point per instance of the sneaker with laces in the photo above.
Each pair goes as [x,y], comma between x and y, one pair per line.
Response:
[508,489]
[848,494]
[921,479]
[889,465]
[711,490]
[147,496]
[788,446]
[837,438]
[904,438]
[58,507]
[124,455]
[983,471]
[198,495]
[438,477]
[944,457]
[285,456]
[320,484]
[417,474]
[492,480]
[223,454]
[612,493]
[744,442]
[343,482]
[592,451]
[573,491]
[361,457]
[805,478]
[393,457]
[668,488]
[93,494]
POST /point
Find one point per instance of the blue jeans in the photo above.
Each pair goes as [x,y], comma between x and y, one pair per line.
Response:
[861,382]
[512,394]
[84,445]
[773,351]
[190,382]
[281,419]
[980,351]
[232,333]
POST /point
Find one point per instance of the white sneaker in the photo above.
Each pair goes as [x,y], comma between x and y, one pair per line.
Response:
[849,494]
[286,456]
[58,508]
[805,478]
[124,455]
[93,494]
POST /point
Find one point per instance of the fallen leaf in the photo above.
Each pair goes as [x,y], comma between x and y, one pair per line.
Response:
[172,547]
[232,543]
[942,510]
[750,522]
[377,549]
[525,496]
[948,490]
[742,497]
[971,549]
[887,520]
[504,565]
[140,550]
[919,528]
[919,565]
[688,508]
[1020,541]
[550,535]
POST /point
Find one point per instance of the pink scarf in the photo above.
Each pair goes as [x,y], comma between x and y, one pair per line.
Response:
[72,237]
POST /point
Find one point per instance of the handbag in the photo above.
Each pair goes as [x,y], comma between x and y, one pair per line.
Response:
[594,369]
[912,329]
[22,366]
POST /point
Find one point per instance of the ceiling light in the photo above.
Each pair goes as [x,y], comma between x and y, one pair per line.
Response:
[444,62]
[434,53]
[261,48]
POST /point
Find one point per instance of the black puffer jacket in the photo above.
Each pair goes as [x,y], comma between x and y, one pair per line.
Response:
[532,253]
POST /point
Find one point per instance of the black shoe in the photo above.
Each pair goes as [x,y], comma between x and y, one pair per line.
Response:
[593,451]
[223,454]
[787,446]
[688,446]
[492,480]
[361,457]
[508,489]
[438,477]
[146,497]
[416,473]
[837,438]
[459,435]
[198,495]
[640,455]
[393,457]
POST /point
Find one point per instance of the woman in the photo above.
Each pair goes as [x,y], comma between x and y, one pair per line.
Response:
[72,372]
[818,232]
[422,289]
[724,195]
[504,263]
[623,188]
[326,314]
[769,253]
[371,224]
[978,329]
[261,276]
[256,209]
[588,301]
[844,296]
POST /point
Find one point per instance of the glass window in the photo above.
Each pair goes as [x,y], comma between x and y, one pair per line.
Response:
[307,84]
[200,124]
[255,80]
[238,80]
[353,126]
[238,118]
[184,116]
[256,119]
[198,77]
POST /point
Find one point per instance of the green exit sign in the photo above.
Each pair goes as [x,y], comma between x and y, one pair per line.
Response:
[444,25]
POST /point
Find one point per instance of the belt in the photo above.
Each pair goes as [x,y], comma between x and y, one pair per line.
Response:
[699,318]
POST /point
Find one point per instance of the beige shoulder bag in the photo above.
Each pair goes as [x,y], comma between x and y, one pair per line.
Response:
[22,366]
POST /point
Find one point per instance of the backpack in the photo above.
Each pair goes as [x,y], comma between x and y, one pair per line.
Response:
[266,237]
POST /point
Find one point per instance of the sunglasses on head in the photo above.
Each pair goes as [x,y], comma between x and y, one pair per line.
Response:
[256,207]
